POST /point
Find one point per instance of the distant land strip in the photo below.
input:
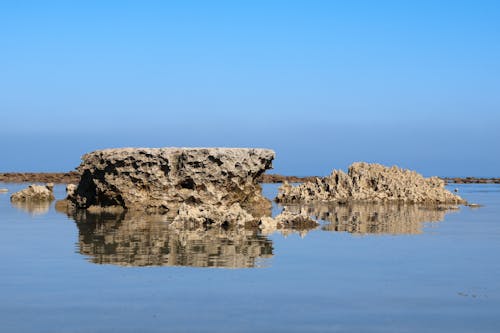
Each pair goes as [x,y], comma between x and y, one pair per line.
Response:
[73,177]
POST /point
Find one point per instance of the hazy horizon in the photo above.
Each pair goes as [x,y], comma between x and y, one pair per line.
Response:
[323,83]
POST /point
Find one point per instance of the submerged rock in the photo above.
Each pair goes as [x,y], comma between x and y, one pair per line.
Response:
[366,182]
[34,193]
[160,180]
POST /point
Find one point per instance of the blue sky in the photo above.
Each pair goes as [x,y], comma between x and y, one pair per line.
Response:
[324,83]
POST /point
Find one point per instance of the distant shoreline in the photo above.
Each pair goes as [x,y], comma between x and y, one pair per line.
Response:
[73,177]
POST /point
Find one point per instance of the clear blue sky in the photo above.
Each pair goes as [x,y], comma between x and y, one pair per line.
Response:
[324,83]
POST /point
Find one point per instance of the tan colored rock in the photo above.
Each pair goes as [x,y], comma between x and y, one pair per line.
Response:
[3,190]
[71,189]
[159,180]
[366,182]
[34,193]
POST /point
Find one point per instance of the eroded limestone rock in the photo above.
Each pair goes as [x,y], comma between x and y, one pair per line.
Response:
[34,193]
[160,180]
[366,182]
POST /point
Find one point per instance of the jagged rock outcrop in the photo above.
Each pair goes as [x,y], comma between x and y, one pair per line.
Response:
[366,182]
[160,180]
[34,193]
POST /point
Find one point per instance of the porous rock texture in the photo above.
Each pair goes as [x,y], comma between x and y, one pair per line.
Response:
[365,182]
[34,193]
[160,180]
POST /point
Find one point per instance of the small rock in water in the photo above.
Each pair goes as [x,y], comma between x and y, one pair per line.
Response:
[34,193]
[3,190]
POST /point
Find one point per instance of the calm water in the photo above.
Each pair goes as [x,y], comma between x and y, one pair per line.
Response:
[365,269]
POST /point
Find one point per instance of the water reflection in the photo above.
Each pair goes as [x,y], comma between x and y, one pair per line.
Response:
[33,207]
[374,218]
[132,239]
[141,240]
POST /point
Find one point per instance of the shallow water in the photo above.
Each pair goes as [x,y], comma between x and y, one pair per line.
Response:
[370,269]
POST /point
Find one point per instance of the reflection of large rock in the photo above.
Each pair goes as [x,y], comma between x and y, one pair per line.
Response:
[159,180]
[149,240]
[366,182]
[34,193]
[374,218]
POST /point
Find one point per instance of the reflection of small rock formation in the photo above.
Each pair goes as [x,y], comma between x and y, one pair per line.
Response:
[34,193]
[150,240]
[370,183]
[374,218]
[160,180]
[33,207]
[287,222]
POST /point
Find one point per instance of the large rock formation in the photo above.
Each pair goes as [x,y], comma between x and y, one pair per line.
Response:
[34,193]
[160,180]
[366,182]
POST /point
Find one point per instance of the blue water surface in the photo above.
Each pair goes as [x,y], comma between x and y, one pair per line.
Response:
[444,279]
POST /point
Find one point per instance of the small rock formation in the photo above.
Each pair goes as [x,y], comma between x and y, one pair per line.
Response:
[3,190]
[34,193]
[366,182]
[160,180]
